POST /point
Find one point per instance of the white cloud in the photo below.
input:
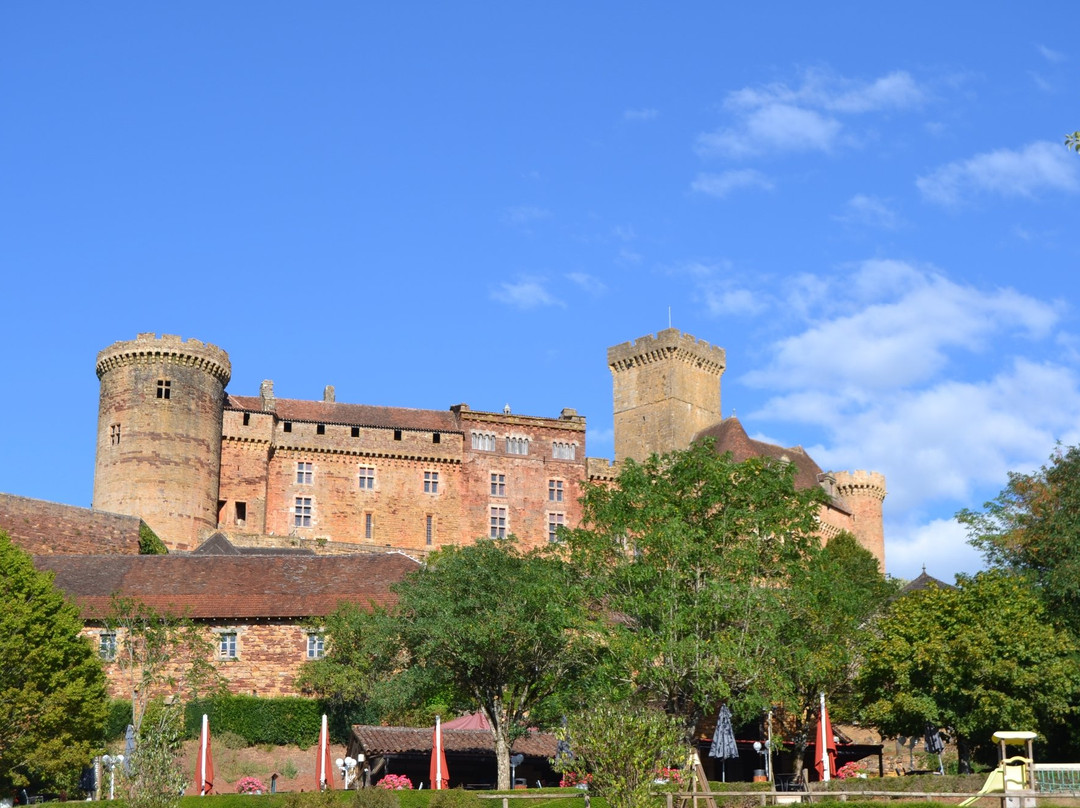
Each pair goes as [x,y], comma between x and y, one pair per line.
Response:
[1040,166]
[721,185]
[777,117]
[527,293]
[775,127]
[939,545]
[590,284]
[1052,55]
[869,211]
[643,114]
[721,301]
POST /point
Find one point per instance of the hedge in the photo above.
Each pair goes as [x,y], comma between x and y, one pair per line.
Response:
[279,721]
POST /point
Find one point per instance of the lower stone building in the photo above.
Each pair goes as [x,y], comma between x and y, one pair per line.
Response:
[261,611]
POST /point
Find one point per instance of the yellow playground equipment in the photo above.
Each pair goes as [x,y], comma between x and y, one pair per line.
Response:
[1016,773]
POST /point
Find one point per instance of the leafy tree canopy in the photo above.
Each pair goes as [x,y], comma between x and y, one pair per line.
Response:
[833,600]
[972,659]
[692,554]
[52,689]
[1073,141]
[1033,526]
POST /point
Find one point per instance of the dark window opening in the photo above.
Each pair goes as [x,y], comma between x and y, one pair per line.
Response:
[114,434]
[397,434]
[241,513]
[220,511]
[436,437]
[247,418]
[287,426]
[356,432]
[164,388]
[320,429]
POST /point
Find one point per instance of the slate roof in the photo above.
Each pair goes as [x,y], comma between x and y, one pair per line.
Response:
[229,587]
[330,412]
[731,437]
[924,581]
[377,741]
[219,544]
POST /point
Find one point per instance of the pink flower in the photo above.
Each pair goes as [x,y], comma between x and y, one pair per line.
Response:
[395,782]
[249,785]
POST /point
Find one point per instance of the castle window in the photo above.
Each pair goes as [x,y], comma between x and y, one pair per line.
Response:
[241,514]
[517,446]
[302,512]
[429,530]
[356,432]
[555,490]
[369,525]
[316,646]
[563,451]
[498,485]
[107,645]
[287,426]
[227,645]
[555,521]
[320,429]
[367,478]
[397,434]
[304,474]
[164,388]
[247,418]
[431,482]
[436,437]
[483,441]
[114,434]
[498,521]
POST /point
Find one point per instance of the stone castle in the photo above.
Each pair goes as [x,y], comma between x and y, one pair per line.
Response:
[191,459]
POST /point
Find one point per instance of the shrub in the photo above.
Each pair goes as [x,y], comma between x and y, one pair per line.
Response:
[230,740]
[249,785]
[395,782]
[453,798]
[374,798]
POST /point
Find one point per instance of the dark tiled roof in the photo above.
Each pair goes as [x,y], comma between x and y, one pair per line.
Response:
[229,587]
[328,412]
[406,740]
[925,581]
[219,544]
[44,528]
[731,437]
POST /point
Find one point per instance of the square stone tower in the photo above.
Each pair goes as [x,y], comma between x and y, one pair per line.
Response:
[666,390]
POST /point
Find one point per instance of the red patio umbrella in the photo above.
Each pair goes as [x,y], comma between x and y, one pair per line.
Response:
[324,768]
[824,745]
[204,767]
[439,774]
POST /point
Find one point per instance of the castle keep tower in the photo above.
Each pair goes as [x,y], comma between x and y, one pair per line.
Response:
[666,390]
[159,433]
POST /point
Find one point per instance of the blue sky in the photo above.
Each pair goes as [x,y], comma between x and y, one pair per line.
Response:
[868,205]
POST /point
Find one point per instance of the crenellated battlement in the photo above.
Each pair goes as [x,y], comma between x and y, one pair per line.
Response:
[861,483]
[665,346]
[150,348]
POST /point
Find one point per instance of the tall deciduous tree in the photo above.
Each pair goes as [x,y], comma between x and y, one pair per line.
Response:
[972,659]
[693,554]
[502,628]
[1033,526]
[52,688]
[832,604]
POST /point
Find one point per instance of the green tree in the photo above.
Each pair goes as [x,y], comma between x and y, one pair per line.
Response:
[1033,526]
[623,747]
[504,629]
[52,687]
[692,554]
[1073,141]
[832,603]
[972,659]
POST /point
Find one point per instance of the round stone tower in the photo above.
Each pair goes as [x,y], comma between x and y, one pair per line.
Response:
[159,434]
[864,494]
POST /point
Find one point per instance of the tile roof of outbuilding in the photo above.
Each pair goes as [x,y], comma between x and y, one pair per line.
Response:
[408,740]
[330,412]
[229,587]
